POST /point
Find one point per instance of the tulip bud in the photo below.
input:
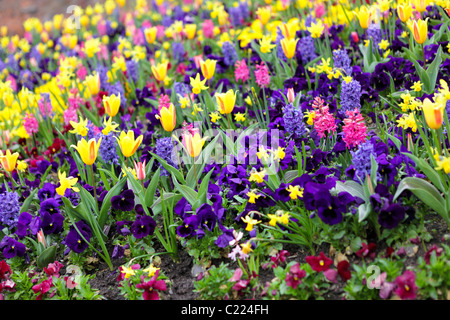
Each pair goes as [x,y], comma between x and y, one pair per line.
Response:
[355,36]
[41,238]
[291,95]
[140,170]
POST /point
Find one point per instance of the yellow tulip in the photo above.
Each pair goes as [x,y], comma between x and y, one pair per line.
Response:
[208,68]
[93,83]
[419,30]
[226,101]
[168,118]
[420,5]
[404,12]
[8,98]
[364,16]
[9,160]
[193,143]
[434,113]
[88,150]
[190,30]
[150,34]
[160,71]
[111,104]
[128,144]
[289,47]
[263,14]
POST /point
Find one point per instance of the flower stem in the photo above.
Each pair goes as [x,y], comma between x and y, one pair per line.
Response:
[93,183]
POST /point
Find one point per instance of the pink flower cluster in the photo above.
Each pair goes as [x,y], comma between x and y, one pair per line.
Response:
[324,121]
[241,72]
[30,124]
[355,130]
[262,75]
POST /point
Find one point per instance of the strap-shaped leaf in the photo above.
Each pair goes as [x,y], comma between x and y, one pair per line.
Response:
[352,187]
[426,192]
[431,173]
[151,189]
[114,191]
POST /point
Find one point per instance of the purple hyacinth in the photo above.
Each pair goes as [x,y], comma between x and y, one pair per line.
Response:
[280,52]
[362,160]
[178,51]
[164,148]
[107,148]
[341,60]
[229,53]
[293,121]
[9,209]
[350,96]
[374,32]
[307,49]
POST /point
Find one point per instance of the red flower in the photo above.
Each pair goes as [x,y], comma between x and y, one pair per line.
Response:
[367,250]
[295,276]
[343,269]
[320,263]
[53,269]
[42,288]
[433,248]
[4,269]
[151,286]
[406,286]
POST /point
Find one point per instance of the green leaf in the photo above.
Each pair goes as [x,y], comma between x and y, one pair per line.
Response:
[157,206]
[431,173]
[352,187]
[27,202]
[433,70]
[190,194]
[169,168]
[151,189]
[47,256]
[426,192]
[364,211]
[114,191]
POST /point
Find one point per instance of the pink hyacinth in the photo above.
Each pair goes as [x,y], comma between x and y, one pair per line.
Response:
[323,121]
[355,130]
[70,114]
[164,102]
[45,106]
[30,124]
[208,29]
[262,75]
[241,72]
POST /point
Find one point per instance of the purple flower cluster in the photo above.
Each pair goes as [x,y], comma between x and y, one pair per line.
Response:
[9,209]
[350,96]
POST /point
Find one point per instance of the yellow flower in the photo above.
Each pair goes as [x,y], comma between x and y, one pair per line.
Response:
[404,11]
[21,165]
[383,44]
[132,170]
[208,68]
[151,270]
[420,5]
[263,14]
[79,127]
[417,86]
[252,196]
[295,192]
[214,117]
[9,160]
[247,247]
[226,101]
[91,47]
[316,29]
[128,271]
[250,222]
[443,164]
[109,126]
[190,30]
[434,113]
[289,47]
[279,154]
[66,183]
[150,34]
[160,71]
[88,150]
[128,144]
[168,117]
[256,176]
[111,104]
[93,83]
[266,44]
[193,143]
[239,116]
[262,154]
[364,17]
[197,85]
[419,30]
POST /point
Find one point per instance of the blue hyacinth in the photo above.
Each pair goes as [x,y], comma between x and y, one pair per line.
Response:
[107,148]
[350,96]
[307,49]
[164,148]
[10,209]
[362,160]
[293,121]
[341,60]
[229,53]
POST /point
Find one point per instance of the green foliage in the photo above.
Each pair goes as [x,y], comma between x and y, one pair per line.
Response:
[215,285]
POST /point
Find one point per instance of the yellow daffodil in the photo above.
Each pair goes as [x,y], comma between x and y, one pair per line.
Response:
[128,144]
[295,192]
[226,101]
[247,247]
[79,127]
[257,176]
[215,117]
[9,160]
[88,150]
[266,45]
[240,117]
[197,84]
[66,183]
[316,29]
[250,222]
[21,165]
[252,196]
[109,126]
[168,117]
[443,164]
[417,86]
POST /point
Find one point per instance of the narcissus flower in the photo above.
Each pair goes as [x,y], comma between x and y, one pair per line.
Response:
[316,29]
[434,113]
[79,127]
[111,104]
[128,144]
[208,68]
[250,222]
[168,117]
[197,84]
[160,71]
[88,150]
[257,176]
[66,183]
[266,45]
[226,101]
[295,192]
[8,160]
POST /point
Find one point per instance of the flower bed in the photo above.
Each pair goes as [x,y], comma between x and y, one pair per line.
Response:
[266,150]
